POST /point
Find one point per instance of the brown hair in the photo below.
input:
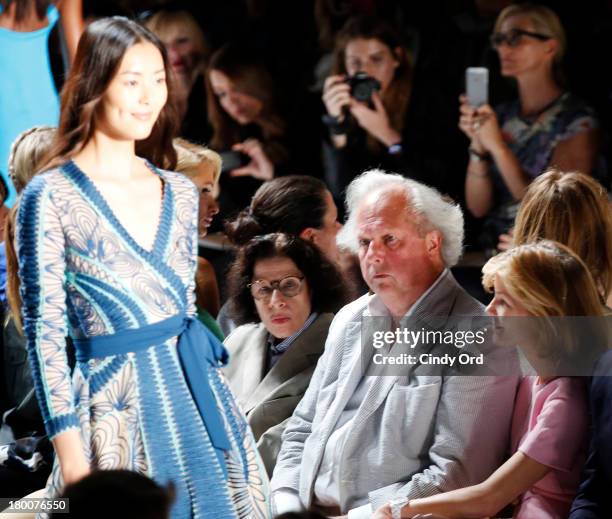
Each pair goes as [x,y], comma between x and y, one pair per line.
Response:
[397,95]
[286,204]
[573,209]
[99,54]
[326,284]
[251,77]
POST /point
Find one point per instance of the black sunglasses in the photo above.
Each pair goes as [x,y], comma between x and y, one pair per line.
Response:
[513,37]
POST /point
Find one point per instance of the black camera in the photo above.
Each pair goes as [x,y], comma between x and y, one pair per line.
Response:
[362,86]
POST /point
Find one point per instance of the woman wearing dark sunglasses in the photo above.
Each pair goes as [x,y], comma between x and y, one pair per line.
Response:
[519,140]
[287,290]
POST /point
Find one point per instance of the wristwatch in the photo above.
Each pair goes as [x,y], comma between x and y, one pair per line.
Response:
[396,506]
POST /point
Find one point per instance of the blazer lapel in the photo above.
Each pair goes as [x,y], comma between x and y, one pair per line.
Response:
[255,359]
[302,354]
[437,304]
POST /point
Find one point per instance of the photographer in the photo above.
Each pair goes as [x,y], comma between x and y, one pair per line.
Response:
[366,99]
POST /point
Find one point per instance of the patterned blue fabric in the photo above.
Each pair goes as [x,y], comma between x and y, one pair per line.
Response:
[197,349]
[83,274]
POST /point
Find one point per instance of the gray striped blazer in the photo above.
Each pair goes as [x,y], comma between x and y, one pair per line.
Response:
[414,435]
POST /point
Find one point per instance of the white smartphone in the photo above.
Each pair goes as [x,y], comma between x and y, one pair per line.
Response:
[477,86]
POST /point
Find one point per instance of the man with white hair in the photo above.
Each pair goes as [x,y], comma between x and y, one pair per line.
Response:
[356,441]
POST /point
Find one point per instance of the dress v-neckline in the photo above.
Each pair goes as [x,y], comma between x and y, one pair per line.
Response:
[91,190]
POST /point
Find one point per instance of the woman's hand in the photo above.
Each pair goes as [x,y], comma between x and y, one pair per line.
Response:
[468,115]
[487,130]
[375,121]
[336,95]
[260,167]
[384,512]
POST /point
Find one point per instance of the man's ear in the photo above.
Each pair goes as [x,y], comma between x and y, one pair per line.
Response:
[433,241]
[309,234]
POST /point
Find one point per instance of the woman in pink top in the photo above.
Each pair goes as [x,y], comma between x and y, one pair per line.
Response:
[550,421]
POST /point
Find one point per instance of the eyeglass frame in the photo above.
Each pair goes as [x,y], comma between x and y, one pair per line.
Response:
[275,285]
[497,38]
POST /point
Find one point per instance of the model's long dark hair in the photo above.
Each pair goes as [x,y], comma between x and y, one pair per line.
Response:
[98,57]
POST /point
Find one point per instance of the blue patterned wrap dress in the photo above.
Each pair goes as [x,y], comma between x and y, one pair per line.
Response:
[83,275]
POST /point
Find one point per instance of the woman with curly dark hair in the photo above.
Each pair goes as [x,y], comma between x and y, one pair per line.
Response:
[286,290]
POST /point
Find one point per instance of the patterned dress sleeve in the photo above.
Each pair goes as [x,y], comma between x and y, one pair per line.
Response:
[191,203]
[41,256]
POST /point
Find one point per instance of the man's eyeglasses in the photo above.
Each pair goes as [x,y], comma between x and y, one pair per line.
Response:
[289,287]
[513,37]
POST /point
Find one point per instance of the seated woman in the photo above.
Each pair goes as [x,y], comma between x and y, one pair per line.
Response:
[287,291]
[296,204]
[203,167]
[545,126]
[251,120]
[188,52]
[550,418]
[366,133]
[572,209]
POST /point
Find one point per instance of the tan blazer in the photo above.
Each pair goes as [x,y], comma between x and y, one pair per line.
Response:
[269,399]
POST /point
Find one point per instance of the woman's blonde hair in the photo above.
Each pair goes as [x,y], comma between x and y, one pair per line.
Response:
[550,281]
[544,21]
[547,279]
[573,209]
[191,156]
[27,152]
[163,22]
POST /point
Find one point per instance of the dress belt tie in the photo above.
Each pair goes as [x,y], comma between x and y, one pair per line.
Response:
[197,349]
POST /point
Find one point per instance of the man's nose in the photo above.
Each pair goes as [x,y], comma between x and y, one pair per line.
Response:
[375,252]
[490,309]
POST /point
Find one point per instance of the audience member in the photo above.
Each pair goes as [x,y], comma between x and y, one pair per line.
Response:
[545,126]
[203,167]
[365,131]
[249,119]
[29,95]
[188,53]
[297,205]
[287,287]
[550,418]
[119,494]
[572,209]
[356,441]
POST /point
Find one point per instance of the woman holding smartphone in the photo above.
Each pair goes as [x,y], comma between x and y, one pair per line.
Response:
[107,249]
[546,126]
